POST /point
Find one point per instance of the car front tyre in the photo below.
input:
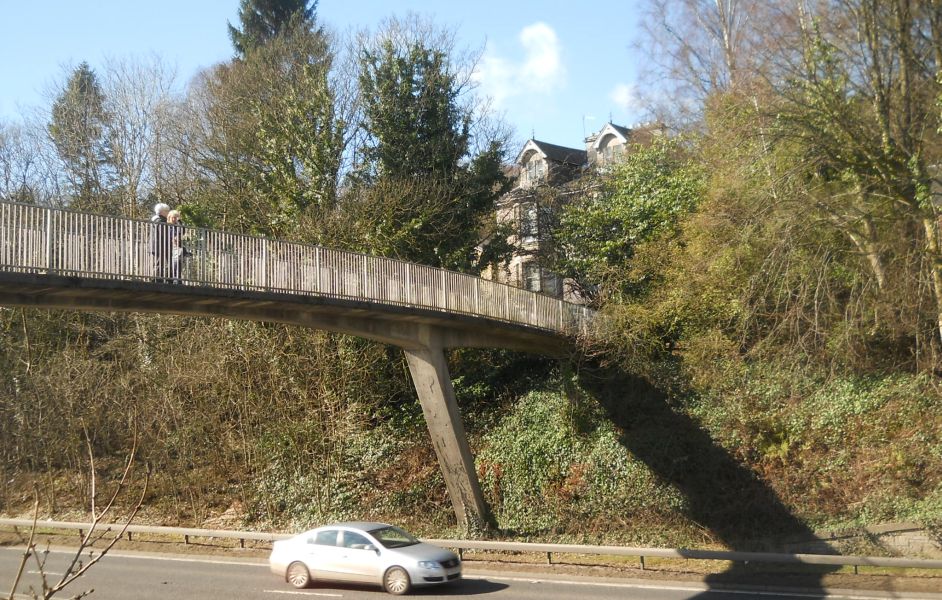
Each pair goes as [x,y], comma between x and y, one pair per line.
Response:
[396,581]
[298,576]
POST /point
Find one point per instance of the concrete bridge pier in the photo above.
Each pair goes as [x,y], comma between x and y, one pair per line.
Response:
[437,396]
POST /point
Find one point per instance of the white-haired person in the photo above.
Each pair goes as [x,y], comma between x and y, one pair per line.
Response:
[160,242]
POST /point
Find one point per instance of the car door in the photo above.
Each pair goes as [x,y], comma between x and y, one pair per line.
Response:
[322,554]
[359,560]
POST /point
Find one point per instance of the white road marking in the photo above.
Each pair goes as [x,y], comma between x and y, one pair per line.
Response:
[45,573]
[207,561]
[296,593]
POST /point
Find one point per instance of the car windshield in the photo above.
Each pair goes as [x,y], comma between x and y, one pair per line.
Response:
[393,537]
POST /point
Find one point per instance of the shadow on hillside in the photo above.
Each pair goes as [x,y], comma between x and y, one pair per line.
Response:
[722,495]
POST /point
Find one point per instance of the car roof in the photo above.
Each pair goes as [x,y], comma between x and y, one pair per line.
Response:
[360,525]
[364,525]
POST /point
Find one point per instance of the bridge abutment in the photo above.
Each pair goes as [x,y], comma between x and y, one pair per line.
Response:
[432,381]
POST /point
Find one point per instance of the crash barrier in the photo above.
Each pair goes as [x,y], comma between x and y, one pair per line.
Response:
[39,240]
[525,547]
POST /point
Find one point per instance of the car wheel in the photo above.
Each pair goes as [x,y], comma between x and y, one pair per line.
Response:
[298,575]
[396,581]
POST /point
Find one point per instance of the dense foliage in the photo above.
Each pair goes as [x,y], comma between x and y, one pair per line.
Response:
[269,150]
[770,283]
[264,20]
[425,182]
[641,198]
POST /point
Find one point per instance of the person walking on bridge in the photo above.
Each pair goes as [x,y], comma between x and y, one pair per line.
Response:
[160,242]
[178,251]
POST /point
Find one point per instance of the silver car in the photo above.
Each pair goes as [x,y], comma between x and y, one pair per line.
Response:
[362,552]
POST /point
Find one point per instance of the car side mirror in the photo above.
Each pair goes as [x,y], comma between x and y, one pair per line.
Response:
[371,547]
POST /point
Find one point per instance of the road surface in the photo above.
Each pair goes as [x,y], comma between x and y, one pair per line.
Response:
[120,576]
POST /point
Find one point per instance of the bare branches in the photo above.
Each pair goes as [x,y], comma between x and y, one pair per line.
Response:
[30,550]
[704,47]
[99,529]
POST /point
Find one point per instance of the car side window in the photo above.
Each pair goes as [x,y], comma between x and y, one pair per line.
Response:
[327,537]
[354,541]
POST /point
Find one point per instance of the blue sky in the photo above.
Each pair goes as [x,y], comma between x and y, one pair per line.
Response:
[555,69]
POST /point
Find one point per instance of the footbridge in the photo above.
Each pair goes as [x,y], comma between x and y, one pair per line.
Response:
[63,259]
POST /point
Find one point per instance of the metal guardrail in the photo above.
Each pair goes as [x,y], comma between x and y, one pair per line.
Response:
[42,240]
[548,549]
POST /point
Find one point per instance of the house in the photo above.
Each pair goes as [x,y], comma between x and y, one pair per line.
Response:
[548,176]
[542,163]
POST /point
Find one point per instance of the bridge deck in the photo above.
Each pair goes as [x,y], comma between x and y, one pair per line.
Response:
[65,259]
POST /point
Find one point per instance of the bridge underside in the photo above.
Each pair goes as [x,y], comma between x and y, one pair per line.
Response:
[423,334]
[400,326]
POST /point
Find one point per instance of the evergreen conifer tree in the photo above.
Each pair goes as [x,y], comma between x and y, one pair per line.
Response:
[79,131]
[262,20]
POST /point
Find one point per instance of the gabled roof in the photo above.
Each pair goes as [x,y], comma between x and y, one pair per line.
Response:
[624,133]
[560,154]
[640,134]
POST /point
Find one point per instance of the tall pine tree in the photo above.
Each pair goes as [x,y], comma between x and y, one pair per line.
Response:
[263,20]
[79,131]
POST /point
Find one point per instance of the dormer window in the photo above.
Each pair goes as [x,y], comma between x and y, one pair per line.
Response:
[607,154]
[541,162]
[610,149]
[535,170]
[610,144]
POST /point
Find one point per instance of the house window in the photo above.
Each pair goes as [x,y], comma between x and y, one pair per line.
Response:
[529,224]
[536,170]
[610,150]
[531,277]
[607,154]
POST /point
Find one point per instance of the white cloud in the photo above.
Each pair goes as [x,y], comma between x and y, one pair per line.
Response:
[541,70]
[495,75]
[625,96]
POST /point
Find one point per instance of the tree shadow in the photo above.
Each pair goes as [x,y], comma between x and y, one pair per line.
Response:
[722,495]
[463,587]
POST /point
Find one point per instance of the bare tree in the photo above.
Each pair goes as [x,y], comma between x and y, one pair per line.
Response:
[97,532]
[18,157]
[843,94]
[701,47]
[29,168]
[138,94]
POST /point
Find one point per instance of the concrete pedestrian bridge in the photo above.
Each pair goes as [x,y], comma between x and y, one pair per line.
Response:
[69,260]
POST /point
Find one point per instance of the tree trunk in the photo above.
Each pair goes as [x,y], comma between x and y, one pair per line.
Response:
[932,246]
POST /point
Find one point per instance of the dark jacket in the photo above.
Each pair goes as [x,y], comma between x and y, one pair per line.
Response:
[159,236]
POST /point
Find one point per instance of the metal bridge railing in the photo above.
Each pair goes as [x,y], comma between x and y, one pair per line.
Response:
[41,240]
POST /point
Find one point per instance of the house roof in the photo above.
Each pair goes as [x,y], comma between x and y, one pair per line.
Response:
[611,129]
[561,154]
[625,131]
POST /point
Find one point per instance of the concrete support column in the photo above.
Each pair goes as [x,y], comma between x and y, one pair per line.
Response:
[433,384]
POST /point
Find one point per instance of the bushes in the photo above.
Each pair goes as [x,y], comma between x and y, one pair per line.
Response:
[327,427]
[839,450]
[556,465]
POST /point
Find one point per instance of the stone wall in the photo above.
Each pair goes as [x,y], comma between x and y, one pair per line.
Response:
[908,540]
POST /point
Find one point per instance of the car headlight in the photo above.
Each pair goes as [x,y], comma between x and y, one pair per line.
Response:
[429,564]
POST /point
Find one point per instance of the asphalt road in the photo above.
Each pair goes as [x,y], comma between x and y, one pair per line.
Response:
[152,577]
